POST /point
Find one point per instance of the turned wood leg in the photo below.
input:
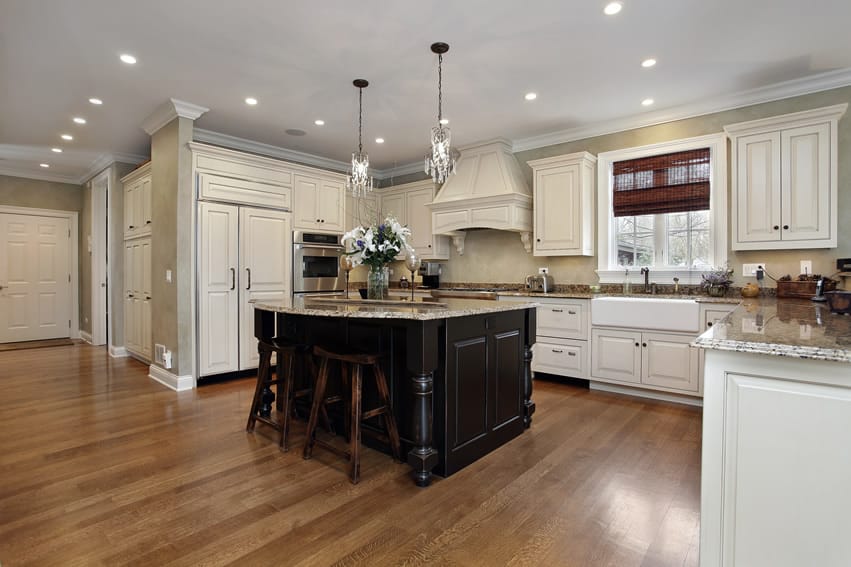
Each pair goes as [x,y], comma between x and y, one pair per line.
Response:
[422,457]
[528,404]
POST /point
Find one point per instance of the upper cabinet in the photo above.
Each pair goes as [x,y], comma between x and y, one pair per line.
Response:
[363,210]
[407,203]
[785,180]
[564,205]
[319,204]
[137,202]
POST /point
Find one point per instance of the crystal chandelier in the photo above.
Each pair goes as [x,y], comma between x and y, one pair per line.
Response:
[359,181]
[440,162]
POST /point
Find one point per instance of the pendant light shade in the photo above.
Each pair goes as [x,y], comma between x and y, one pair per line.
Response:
[440,162]
[359,181]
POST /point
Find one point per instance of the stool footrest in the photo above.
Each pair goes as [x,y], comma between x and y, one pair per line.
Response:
[374,412]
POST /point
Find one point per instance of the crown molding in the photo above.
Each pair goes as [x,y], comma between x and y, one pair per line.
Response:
[168,111]
[27,174]
[786,89]
[105,160]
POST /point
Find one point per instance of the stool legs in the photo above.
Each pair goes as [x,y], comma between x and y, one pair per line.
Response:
[388,417]
[262,377]
[317,406]
[285,379]
[354,420]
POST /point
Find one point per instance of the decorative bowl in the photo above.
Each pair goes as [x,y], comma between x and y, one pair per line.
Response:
[839,301]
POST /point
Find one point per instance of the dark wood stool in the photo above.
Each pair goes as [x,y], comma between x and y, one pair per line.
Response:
[261,406]
[352,364]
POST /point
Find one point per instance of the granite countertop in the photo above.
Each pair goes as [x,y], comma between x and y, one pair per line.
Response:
[797,328]
[588,295]
[420,309]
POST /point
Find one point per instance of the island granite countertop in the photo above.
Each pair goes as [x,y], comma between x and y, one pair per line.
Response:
[797,328]
[420,309]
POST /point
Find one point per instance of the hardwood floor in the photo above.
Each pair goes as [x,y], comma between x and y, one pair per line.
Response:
[103,466]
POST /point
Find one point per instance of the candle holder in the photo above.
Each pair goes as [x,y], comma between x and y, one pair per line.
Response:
[346,265]
[412,262]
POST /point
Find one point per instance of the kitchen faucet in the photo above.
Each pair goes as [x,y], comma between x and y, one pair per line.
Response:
[646,272]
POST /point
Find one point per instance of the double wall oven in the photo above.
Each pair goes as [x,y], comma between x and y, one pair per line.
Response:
[316,263]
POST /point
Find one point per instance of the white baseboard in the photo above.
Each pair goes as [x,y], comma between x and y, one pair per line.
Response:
[118,352]
[87,337]
[642,393]
[173,381]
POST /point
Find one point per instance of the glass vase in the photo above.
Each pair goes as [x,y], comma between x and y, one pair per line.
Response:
[716,290]
[377,282]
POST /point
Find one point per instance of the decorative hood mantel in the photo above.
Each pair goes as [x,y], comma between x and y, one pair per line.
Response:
[487,191]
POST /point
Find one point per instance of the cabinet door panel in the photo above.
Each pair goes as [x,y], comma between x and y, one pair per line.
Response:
[616,355]
[669,361]
[265,240]
[145,203]
[568,359]
[758,187]
[806,183]
[566,320]
[218,298]
[558,214]
[419,220]
[394,205]
[362,211]
[129,196]
[330,203]
[305,206]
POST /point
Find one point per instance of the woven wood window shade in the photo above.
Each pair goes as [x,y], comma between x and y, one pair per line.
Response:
[669,183]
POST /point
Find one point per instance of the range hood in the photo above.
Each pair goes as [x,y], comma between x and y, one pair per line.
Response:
[488,190]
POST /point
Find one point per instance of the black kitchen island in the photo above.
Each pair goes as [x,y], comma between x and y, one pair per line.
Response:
[458,370]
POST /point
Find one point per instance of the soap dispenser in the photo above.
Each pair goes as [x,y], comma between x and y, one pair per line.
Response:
[627,288]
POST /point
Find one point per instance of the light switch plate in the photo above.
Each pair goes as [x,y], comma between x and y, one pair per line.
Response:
[749,270]
[806,267]
[543,270]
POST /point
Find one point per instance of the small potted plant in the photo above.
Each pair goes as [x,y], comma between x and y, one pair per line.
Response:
[717,281]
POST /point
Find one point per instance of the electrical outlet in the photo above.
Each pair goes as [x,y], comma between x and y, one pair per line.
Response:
[806,267]
[749,270]
[543,270]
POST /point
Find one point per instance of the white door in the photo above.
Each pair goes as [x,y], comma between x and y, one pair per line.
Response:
[330,202]
[669,361]
[130,339]
[35,286]
[419,220]
[218,309]
[758,187]
[143,260]
[305,209]
[558,217]
[616,355]
[265,243]
[806,183]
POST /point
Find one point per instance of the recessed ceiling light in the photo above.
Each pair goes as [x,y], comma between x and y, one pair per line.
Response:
[444,121]
[79,120]
[648,62]
[379,140]
[56,150]
[67,137]
[612,8]
[44,165]
[96,101]
[531,96]
[127,58]
[251,101]
[319,122]
[647,101]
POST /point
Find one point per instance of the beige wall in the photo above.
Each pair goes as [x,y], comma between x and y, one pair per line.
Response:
[35,194]
[499,257]
[171,242]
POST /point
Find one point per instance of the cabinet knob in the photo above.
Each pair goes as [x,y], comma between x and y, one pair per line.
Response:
[429,245]
[147,297]
[537,240]
[636,344]
[785,227]
[571,354]
[776,227]
[129,295]
[709,324]
[147,222]
[131,226]
[571,312]
[644,344]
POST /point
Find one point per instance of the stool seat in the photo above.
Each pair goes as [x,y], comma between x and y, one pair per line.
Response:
[352,363]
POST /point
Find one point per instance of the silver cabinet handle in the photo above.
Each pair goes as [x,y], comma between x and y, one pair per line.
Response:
[558,310]
[248,270]
[232,279]
[557,350]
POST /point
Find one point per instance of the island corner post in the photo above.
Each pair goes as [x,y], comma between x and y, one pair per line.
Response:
[424,343]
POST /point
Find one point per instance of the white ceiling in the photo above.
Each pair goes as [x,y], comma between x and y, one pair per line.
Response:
[299,58]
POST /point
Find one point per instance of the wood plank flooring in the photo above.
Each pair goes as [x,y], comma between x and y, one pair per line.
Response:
[100,465]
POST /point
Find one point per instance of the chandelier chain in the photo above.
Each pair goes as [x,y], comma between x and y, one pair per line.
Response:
[360,119]
[439,87]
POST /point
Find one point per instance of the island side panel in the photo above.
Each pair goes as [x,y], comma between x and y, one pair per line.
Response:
[530,320]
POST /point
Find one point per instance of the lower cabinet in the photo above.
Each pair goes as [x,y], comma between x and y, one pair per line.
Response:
[562,357]
[662,361]
[137,297]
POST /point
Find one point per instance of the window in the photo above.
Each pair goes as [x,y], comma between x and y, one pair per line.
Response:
[663,207]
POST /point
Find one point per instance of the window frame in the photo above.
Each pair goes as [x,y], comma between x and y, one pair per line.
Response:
[608,270]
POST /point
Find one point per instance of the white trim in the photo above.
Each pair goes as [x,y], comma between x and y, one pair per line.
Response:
[138,172]
[98,254]
[787,89]
[168,111]
[86,337]
[717,144]
[169,380]
[118,352]
[73,255]
[772,123]
[642,393]
[26,174]
[99,164]
[103,161]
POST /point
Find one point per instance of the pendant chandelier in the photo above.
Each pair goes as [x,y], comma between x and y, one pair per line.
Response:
[359,182]
[440,162]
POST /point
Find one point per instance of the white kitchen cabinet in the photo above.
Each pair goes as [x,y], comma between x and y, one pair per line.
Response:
[363,210]
[564,205]
[775,461]
[785,180]
[319,203]
[137,202]
[664,361]
[244,253]
[407,203]
[137,297]
[710,314]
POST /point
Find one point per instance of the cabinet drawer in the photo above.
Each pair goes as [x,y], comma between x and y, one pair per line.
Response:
[563,358]
[257,170]
[565,320]
[243,191]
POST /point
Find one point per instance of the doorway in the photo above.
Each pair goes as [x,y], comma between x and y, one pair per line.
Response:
[100,280]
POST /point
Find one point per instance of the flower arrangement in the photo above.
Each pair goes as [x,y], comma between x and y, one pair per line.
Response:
[376,245]
[717,280]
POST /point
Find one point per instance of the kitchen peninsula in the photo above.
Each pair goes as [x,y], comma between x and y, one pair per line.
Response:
[459,371]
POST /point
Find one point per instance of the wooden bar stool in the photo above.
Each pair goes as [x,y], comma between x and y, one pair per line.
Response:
[261,406]
[352,363]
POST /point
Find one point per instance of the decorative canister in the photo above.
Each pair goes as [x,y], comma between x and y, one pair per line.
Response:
[750,290]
